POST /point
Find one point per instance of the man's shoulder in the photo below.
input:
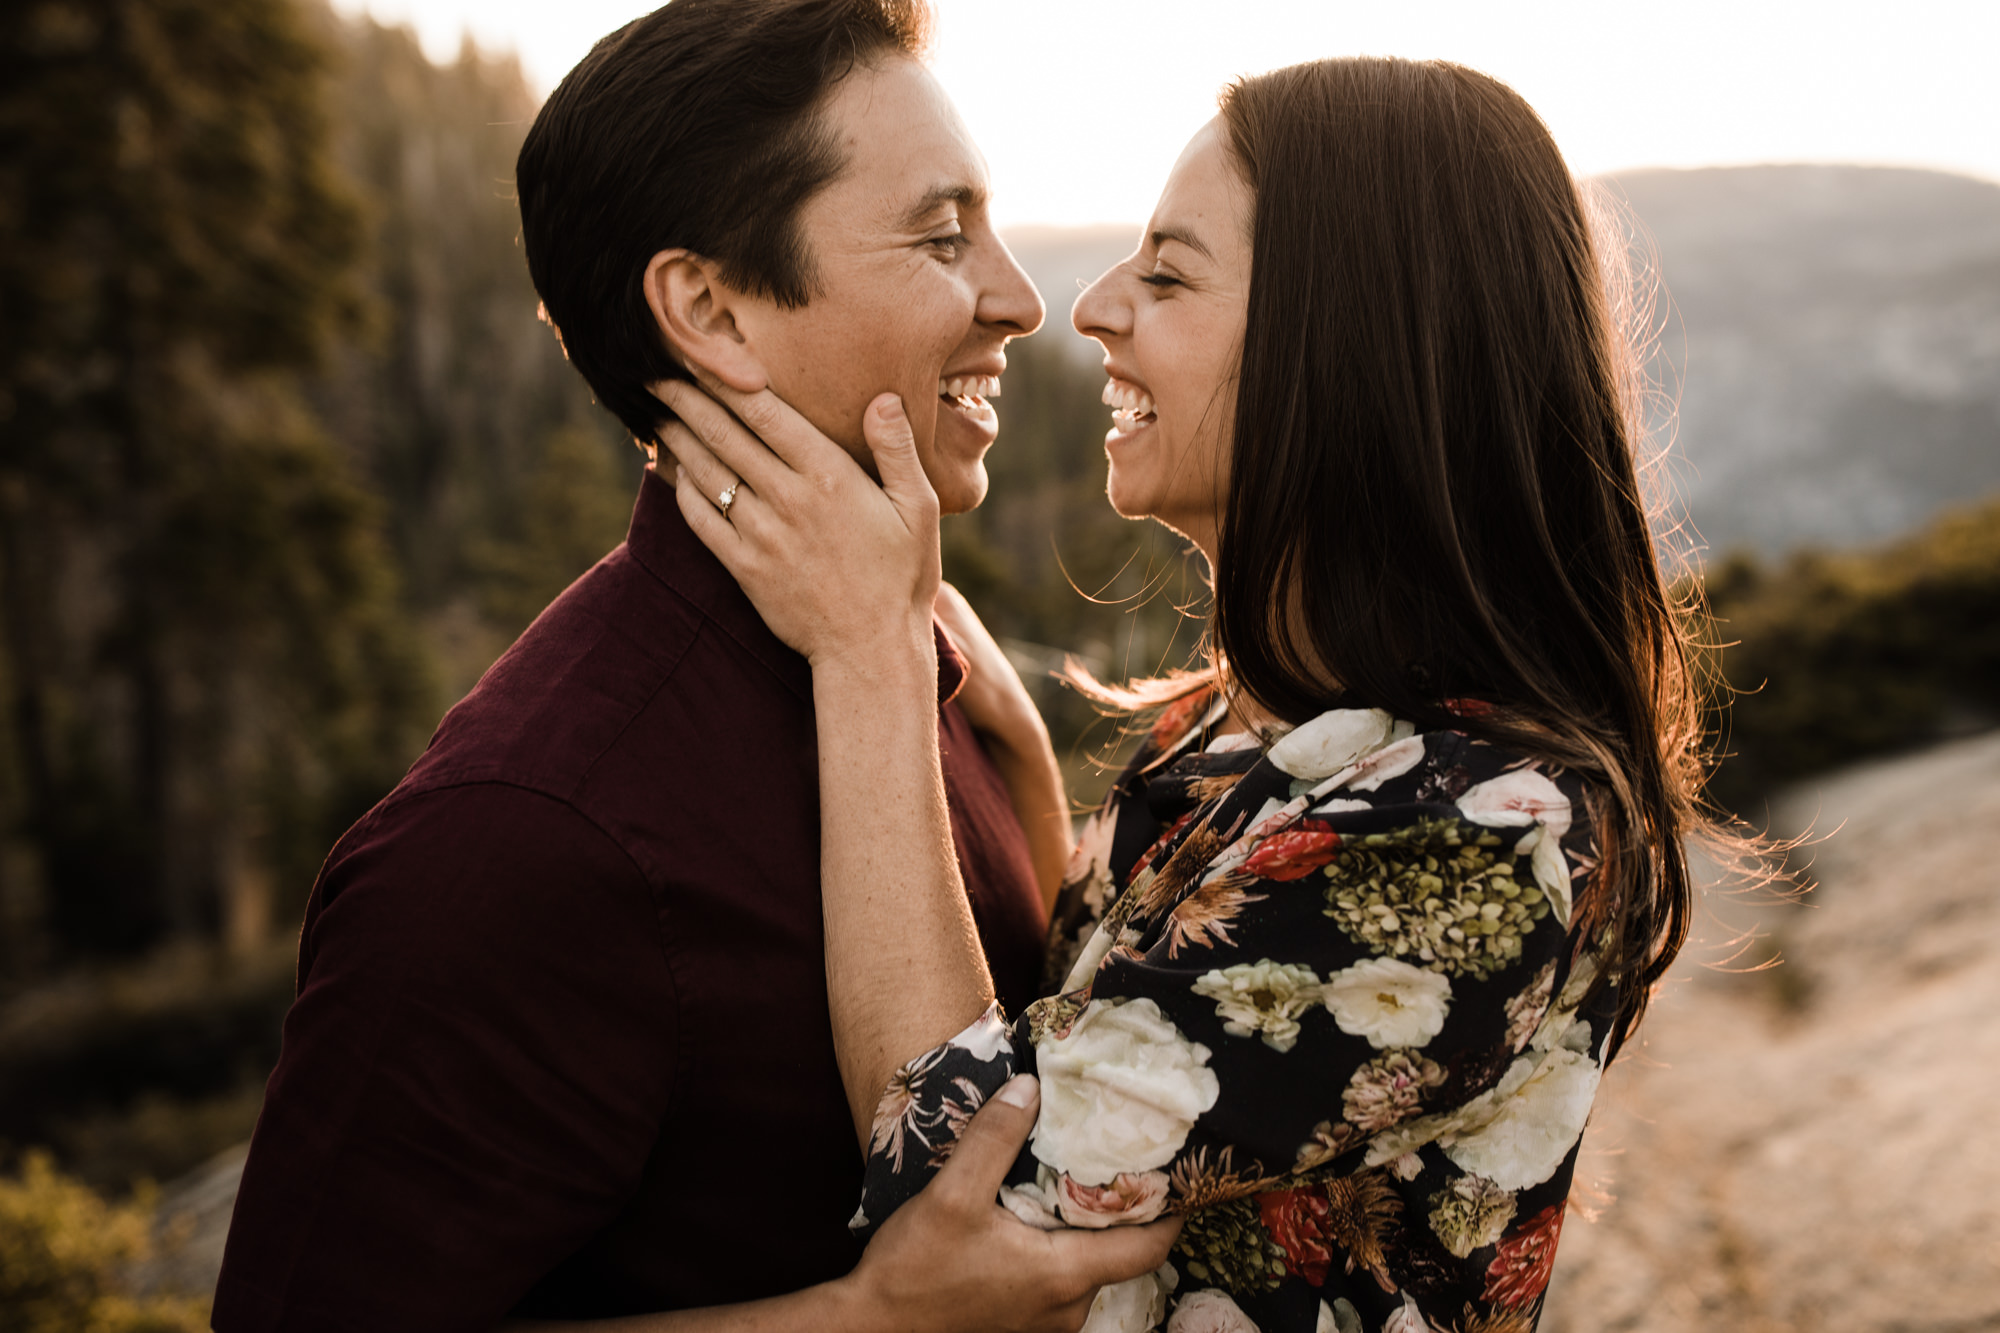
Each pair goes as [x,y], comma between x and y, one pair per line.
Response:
[578,681]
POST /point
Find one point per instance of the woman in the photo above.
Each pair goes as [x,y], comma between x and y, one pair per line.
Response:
[1339,964]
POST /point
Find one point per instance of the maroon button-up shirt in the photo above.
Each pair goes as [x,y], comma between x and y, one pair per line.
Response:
[561,1042]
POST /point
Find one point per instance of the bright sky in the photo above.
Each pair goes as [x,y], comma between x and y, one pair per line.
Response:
[1082,105]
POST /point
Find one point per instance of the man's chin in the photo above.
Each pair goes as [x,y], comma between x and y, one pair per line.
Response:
[962,491]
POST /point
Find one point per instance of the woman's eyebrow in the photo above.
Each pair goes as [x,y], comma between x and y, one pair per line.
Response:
[1161,235]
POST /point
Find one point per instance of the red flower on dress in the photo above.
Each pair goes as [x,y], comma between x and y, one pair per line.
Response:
[1159,844]
[1296,1219]
[1178,717]
[1467,707]
[1295,853]
[1520,1271]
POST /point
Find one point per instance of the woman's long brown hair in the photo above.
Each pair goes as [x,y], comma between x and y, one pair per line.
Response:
[1432,488]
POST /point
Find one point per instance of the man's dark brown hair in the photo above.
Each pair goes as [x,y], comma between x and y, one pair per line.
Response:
[694,127]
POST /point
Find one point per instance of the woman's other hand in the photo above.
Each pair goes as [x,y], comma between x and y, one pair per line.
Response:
[839,567]
[953,1258]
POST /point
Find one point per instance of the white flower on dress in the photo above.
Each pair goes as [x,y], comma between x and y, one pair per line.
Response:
[1132,1306]
[1332,741]
[1095,950]
[1525,1010]
[1391,761]
[1407,1318]
[1526,797]
[1389,1002]
[1034,1203]
[1134,1198]
[1210,1311]
[1536,1126]
[1272,816]
[1262,997]
[1120,1092]
[986,1038]
[1340,1317]
[1339,806]
[1516,799]
[1090,863]
[1544,850]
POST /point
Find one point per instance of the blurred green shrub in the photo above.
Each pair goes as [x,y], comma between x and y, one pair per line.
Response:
[1833,657]
[64,1253]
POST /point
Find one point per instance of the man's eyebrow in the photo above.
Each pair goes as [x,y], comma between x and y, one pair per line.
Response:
[1185,237]
[965,196]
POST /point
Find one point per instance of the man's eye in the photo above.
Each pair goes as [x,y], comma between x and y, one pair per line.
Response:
[953,244]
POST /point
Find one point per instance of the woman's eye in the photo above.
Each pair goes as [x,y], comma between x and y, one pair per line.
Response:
[1159,280]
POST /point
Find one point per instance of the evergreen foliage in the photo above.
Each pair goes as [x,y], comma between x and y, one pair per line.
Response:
[204,654]
[1833,658]
[460,407]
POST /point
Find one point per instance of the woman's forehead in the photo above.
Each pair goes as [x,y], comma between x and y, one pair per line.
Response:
[1206,204]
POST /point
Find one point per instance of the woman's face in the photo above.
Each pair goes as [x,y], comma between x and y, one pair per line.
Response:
[1171,322]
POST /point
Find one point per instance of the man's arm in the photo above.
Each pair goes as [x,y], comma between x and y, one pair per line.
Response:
[471,1077]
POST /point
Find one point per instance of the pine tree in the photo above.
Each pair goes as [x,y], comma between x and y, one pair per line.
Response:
[203,659]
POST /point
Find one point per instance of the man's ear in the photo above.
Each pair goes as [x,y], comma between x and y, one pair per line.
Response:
[696,314]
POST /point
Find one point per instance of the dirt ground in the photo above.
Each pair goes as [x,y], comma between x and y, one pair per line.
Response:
[1816,1147]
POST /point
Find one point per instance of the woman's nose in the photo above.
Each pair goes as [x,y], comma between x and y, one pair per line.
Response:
[1098,312]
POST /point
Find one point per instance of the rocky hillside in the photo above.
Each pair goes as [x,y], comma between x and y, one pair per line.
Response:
[1812,1147]
[1836,332]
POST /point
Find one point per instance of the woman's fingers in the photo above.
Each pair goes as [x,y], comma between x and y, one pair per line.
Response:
[711,477]
[707,522]
[797,442]
[886,428]
[745,454]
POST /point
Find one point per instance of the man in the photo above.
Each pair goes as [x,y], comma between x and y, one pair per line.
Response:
[561,1043]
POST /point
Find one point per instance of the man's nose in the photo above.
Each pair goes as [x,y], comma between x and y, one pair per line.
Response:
[1011,302]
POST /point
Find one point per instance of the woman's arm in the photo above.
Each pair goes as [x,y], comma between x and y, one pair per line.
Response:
[846,572]
[1016,738]
[952,1259]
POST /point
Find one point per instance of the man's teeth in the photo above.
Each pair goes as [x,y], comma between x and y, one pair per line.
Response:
[970,386]
[1127,400]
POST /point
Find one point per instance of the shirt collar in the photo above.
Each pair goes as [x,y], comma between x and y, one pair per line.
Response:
[665,546]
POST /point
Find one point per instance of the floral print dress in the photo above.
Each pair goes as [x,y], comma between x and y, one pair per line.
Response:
[1332,1000]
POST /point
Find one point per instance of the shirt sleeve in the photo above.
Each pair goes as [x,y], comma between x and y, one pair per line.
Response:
[1325,989]
[471,1078]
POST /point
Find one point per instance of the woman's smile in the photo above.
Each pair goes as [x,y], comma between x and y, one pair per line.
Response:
[1132,408]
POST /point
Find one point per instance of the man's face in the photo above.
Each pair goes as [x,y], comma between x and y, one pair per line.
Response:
[916,295]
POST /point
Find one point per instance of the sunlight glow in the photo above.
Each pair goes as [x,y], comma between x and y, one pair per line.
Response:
[1082,105]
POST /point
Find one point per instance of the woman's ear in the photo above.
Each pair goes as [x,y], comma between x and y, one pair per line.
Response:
[696,314]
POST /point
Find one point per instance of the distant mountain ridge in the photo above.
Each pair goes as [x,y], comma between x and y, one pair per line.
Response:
[1834,333]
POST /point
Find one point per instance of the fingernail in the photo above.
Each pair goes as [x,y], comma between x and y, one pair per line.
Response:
[890,408]
[680,474]
[1020,1090]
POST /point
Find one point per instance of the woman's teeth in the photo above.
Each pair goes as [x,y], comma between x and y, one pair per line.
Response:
[970,390]
[1132,406]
